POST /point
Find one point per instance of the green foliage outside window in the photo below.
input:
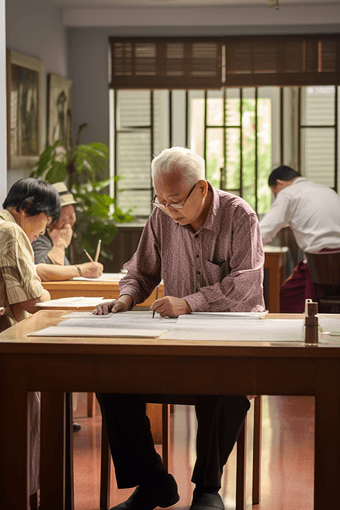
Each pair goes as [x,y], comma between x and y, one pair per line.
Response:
[233,157]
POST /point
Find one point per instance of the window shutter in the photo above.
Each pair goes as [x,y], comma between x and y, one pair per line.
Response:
[166,63]
[294,60]
[250,61]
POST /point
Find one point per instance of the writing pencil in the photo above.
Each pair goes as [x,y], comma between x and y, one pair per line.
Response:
[153,315]
[88,256]
[98,250]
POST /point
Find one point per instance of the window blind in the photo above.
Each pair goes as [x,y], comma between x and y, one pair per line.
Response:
[166,63]
[237,61]
[294,60]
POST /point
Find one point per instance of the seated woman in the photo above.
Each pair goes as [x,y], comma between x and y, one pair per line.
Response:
[29,207]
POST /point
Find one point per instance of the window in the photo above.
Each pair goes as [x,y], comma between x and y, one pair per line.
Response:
[319,134]
[244,131]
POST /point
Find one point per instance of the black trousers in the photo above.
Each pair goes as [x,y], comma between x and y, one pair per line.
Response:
[136,461]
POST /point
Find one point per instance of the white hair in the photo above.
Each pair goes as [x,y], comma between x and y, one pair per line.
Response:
[190,165]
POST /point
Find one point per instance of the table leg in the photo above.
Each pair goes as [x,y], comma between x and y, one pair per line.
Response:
[154,412]
[69,475]
[52,482]
[327,435]
[14,434]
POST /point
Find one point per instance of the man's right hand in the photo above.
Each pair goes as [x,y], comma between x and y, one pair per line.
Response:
[91,269]
[61,238]
[122,304]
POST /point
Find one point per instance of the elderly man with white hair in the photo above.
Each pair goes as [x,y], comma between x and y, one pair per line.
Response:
[206,246]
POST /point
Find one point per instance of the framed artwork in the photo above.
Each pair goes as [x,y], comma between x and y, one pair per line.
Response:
[58,109]
[24,109]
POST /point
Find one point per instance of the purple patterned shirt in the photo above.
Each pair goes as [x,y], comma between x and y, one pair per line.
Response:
[219,268]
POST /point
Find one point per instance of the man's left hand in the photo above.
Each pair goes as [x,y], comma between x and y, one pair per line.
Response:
[170,306]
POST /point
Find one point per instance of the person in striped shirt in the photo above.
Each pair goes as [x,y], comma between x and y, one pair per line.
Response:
[29,207]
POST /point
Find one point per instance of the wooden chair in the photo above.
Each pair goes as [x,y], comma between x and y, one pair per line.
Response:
[90,404]
[34,504]
[324,269]
[240,462]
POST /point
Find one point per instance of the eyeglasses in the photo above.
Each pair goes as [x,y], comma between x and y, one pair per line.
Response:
[155,202]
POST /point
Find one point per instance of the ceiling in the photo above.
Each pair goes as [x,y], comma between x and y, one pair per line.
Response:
[86,4]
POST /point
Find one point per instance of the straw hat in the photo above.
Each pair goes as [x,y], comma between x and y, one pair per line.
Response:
[66,197]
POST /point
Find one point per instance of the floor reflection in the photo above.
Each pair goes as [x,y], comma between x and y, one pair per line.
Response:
[287,457]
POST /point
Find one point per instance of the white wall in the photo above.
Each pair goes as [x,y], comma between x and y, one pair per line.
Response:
[3,157]
[35,28]
[242,16]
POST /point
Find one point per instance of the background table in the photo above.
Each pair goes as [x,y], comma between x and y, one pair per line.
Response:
[108,290]
[61,365]
[274,275]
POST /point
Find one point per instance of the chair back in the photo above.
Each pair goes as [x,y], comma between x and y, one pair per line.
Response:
[324,267]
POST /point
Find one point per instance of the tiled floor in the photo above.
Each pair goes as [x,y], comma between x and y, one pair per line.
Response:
[287,457]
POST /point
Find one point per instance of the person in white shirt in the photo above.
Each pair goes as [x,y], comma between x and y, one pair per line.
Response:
[312,211]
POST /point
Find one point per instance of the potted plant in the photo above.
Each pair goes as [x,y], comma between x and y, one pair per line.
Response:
[82,166]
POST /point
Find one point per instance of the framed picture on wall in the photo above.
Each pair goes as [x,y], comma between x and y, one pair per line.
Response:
[24,109]
[59,109]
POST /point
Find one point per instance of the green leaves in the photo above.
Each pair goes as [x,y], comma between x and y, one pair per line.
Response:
[57,172]
[53,162]
[90,159]
[83,167]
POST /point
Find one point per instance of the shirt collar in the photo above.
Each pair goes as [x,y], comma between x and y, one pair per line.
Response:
[7,216]
[211,222]
[299,179]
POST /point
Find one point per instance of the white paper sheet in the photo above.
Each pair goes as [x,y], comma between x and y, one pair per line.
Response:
[224,315]
[330,324]
[75,302]
[128,324]
[278,330]
[85,315]
[101,332]
[127,320]
[105,277]
[196,326]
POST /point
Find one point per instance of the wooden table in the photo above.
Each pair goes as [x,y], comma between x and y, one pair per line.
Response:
[274,275]
[156,365]
[108,290]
